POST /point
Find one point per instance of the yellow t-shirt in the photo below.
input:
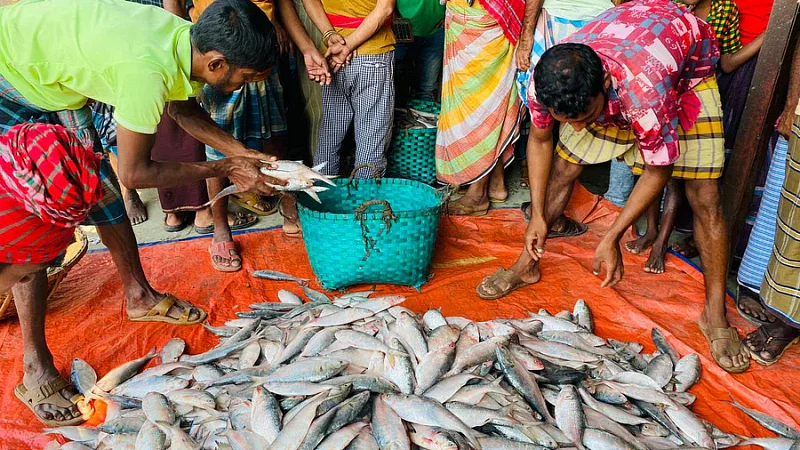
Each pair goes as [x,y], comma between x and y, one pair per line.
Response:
[60,53]
[381,42]
[268,6]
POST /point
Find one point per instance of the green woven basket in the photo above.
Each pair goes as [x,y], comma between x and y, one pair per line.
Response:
[371,231]
[413,152]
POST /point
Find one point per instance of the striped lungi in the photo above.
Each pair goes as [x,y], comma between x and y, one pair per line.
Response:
[702,147]
[549,31]
[252,114]
[780,291]
[480,114]
[762,238]
[16,109]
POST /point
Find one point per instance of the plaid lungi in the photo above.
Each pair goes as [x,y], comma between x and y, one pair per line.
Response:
[253,114]
[780,290]
[16,109]
[702,147]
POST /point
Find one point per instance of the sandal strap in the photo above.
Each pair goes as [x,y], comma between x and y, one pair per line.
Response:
[223,248]
[502,275]
[730,333]
[47,389]
[162,308]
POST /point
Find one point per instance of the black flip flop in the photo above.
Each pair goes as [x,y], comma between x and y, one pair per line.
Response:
[175,228]
[581,227]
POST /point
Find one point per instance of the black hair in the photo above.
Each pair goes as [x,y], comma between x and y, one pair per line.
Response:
[240,31]
[567,77]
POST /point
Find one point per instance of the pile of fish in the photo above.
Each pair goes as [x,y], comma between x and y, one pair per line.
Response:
[362,372]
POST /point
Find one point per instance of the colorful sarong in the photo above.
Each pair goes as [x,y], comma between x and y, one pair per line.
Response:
[480,107]
[253,114]
[508,14]
[702,148]
[780,291]
[762,238]
[549,31]
[16,109]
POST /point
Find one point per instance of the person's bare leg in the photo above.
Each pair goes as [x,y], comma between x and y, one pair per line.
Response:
[562,179]
[497,190]
[750,305]
[30,299]
[639,245]
[137,212]
[203,218]
[139,295]
[672,203]
[712,242]
[222,230]
[477,195]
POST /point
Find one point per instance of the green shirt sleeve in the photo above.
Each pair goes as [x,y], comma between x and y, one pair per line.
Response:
[141,97]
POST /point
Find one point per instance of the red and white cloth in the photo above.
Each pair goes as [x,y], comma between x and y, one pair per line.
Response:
[48,183]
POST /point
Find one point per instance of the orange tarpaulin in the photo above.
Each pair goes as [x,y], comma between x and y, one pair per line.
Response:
[87,318]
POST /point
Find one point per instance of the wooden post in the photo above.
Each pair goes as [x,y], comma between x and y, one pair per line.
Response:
[767,94]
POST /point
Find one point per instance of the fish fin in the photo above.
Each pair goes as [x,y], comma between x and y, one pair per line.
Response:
[313,195]
[318,188]
[319,166]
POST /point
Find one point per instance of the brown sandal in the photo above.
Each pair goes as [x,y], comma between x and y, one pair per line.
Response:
[159,312]
[50,393]
[717,334]
[513,281]
[251,202]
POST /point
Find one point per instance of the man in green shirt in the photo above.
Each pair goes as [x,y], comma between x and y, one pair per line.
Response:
[57,55]
[425,54]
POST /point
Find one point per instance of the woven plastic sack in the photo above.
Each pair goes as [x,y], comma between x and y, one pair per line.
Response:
[371,231]
[413,151]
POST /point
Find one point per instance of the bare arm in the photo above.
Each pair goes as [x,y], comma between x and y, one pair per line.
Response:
[732,61]
[316,65]
[540,157]
[525,44]
[647,190]
[138,171]
[787,118]
[176,7]
[294,27]
[372,23]
[192,118]
[316,12]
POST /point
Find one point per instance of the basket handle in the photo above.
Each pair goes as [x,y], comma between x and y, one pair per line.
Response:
[363,166]
[387,217]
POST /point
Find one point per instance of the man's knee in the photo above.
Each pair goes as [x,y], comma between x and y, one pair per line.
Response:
[704,197]
[565,171]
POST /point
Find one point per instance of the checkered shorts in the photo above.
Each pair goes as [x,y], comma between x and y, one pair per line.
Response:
[16,109]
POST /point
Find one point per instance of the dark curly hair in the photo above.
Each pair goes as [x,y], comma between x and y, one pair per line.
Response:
[567,77]
[240,31]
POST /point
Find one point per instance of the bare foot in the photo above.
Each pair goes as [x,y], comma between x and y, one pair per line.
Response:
[173,220]
[656,262]
[137,212]
[752,307]
[291,220]
[729,354]
[497,190]
[637,246]
[686,247]
[138,306]
[469,206]
[39,372]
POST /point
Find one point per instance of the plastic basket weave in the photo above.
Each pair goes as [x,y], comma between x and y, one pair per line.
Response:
[413,152]
[371,231]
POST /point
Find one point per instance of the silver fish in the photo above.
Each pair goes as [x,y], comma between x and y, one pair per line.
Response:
[430,438]
[769,422]
[428,412]
[122,425]
[265,415]
[660,369]
[388,428]
[277,276]
[521,380]
[433,319]
[687,372]
[398,368]
[83,377]
[433,366]
[339,440]
[151,437]
[447,387]
[663,345]
[569,415]
[160,384]
[289,298]
[690,425]
[408,328]
[600,440]
[477,354]
[172,350]
[157,408]
[583,315]
[320,341]
[122,373]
